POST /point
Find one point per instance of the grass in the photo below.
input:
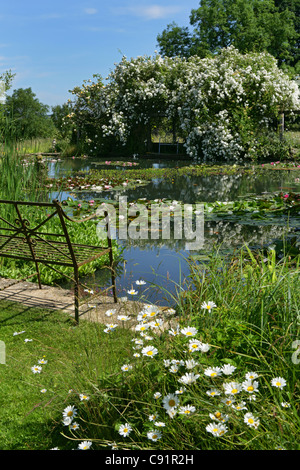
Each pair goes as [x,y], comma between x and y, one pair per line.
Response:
[138,379]
[30,419]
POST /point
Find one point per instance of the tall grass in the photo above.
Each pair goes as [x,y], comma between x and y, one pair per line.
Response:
[249,331]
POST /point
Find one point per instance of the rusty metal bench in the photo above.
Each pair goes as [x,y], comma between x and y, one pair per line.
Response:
[20,241]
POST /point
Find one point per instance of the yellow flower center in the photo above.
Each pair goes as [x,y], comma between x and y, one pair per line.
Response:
[234,390]
[213,374]
[250,388]
[172,403]
[251,420]
[278,384]
[149,353]
[70,413]
[218,414]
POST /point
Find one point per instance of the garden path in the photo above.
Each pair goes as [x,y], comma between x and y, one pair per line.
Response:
[56,298]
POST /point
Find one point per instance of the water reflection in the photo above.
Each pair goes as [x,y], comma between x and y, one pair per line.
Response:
[163,262]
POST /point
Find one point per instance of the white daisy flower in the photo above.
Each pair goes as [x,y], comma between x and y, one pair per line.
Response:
[189,331]
[250,386]
[186,410]
[213,371]
[36,369]
[216,429]
[170,401]
[125,429]
[228,369]
[188,378]
[70,412]
[232,388]
[84,397]
[278,382]
[84,445]
[154,435]
[208,305]
[250,420]
[213,392]
[149,351]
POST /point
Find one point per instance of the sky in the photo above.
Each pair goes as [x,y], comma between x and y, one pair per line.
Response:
[53,46]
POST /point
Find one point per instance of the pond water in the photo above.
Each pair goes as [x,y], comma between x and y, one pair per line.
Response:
[163,263]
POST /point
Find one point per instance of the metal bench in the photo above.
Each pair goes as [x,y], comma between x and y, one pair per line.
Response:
[18,240]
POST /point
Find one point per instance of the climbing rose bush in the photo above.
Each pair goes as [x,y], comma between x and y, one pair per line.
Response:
[221,105]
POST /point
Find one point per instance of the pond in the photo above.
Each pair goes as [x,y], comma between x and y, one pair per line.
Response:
[163,263]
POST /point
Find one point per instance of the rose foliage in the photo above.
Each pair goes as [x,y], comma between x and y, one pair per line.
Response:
[222,107]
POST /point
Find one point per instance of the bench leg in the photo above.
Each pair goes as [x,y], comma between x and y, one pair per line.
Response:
[76,295]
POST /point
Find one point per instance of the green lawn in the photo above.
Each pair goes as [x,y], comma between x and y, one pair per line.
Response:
[29,418]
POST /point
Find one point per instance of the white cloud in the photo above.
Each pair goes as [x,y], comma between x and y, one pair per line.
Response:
[90,11]
[149,12]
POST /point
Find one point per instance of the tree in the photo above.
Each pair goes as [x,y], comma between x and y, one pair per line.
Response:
[248,25]
[29,116]
[59,117]
[224,107]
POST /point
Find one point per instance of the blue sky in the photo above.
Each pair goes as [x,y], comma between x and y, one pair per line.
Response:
[53,46]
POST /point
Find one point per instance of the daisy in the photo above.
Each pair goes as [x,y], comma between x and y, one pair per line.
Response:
[140,282]
[189,331]
[232,388]
[152,417]
[204,347]
[239,406]
[217,416]
[151,310]
[74,426]
[109,313]
[180,391]
[278,382]
[227,401]
[70,412]
[213,371]
[126,367]
[142,327]
[188,378]
[149,351]
[170,401]
[44,390]
[285,405]
[67,421]
[174,368]
[83,397]
[159,424]
[125,429]
[251,375]
[173,332]
[216,429]
[154,435]
[157,395]
[132,292]
[250,420]
[186,410]
[250,386]
[123,317]
[36,369]
[190,363]
[208,305]
[42,361]
[213,392]
[171,412]
[228,369]
[84,445]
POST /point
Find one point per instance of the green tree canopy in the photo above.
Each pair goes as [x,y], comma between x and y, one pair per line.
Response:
[248,25]
[28,115]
